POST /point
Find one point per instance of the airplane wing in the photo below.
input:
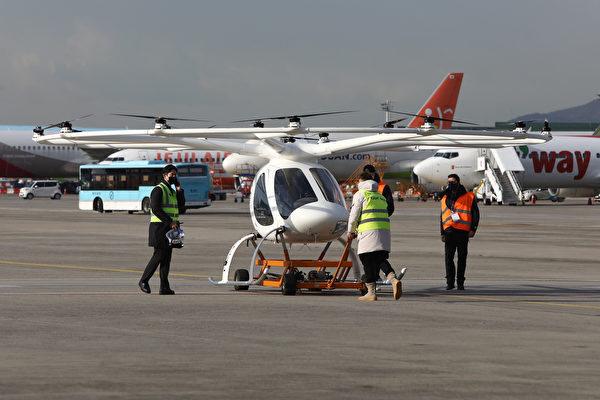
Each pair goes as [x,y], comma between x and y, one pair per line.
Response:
[266,141]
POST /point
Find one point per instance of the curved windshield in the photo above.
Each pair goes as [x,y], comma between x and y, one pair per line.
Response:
[262,212]
[328,186]
[292,190]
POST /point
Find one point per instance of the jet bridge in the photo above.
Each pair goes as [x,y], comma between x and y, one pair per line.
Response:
[500,182]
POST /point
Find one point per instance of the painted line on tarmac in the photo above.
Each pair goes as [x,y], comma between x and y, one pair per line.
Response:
[98,269]
[34,232]
[545,303]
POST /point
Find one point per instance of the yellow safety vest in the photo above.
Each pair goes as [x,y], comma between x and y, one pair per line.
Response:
[374,215]
[462,206]
[168,205]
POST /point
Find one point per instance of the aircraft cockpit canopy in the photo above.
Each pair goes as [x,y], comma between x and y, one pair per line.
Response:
[446,154]
[292,190]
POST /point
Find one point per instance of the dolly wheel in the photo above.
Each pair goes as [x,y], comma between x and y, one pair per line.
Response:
[288,285]
[241,275]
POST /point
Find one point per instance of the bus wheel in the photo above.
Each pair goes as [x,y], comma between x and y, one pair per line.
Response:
[146,205]
[98,206]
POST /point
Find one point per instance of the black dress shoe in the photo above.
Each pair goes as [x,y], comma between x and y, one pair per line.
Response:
[166,291]
[449,287]
[144,287]
[460,287]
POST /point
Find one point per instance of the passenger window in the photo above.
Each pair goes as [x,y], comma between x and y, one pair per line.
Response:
[262,211]
[328,186]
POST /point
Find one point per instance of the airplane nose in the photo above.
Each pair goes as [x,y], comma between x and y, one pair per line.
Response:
[421,169]
[323,220]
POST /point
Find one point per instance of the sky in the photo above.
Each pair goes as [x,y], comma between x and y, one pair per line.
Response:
[228,60]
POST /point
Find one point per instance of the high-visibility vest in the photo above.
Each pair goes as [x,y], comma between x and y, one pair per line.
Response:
[380,187]
[462,206]
[374,215]
[168,205]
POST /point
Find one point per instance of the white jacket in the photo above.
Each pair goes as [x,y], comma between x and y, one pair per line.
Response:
[371,240]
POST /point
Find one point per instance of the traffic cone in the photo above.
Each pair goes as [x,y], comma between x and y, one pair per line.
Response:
[532,199]
[589,201]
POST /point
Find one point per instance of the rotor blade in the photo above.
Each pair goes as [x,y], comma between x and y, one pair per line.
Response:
[136,115]
[158,116]
[389,122]
[52,126]
[82,117]
[436,118]
[185,119]
[62,122]
[293,116]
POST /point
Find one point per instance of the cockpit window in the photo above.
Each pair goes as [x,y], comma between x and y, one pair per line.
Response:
[438,154]
[328,186]
[262,211]
[292,190]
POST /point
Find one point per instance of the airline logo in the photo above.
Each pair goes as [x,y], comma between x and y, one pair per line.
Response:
[563,162]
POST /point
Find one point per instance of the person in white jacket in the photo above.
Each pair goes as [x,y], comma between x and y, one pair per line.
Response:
[369,222]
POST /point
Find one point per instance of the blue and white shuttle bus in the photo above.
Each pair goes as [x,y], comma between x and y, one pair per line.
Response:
[126,185]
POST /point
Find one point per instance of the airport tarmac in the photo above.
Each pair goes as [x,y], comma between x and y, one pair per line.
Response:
[74,324]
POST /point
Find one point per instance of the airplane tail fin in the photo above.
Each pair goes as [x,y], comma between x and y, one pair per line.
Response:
[442,103]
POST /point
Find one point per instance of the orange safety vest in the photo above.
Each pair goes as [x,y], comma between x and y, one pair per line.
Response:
[462,206]
[380,187]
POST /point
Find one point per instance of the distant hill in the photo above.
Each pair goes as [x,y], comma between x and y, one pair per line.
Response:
[589,112]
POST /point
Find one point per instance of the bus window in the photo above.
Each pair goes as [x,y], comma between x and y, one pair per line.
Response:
[199,170]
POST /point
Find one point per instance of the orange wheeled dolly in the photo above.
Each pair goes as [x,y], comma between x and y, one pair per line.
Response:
[323,274]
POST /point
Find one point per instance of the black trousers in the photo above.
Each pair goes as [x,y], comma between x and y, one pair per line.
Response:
[456,240]
[162,257]
[373,262]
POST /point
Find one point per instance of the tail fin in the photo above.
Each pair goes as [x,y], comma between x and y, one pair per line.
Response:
[442,102]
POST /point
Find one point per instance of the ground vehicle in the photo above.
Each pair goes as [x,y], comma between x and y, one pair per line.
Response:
[540,194]
[41,189]
[126,185]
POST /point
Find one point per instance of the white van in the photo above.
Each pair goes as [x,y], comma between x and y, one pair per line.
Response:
[41,189]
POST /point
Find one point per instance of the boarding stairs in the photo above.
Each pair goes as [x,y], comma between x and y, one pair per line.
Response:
[500,181]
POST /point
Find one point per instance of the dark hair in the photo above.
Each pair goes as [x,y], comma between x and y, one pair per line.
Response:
[455,177]
[365,176]
[168,168]
[369,168]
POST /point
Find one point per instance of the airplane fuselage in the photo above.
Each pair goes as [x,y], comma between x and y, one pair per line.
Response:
[565,162]
[20,157]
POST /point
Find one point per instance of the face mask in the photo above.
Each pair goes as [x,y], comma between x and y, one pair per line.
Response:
[172,180]
[452,185]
